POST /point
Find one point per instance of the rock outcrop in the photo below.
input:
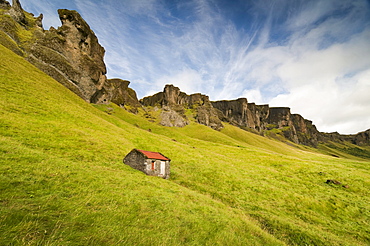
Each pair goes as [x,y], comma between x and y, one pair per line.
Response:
[73,56]
[306,132]
[70,54]
[174,102]
[118,92]
[243,114]
[171,118]
[261,118]
[4,4]
[294,127]
[362,138]
[16,11]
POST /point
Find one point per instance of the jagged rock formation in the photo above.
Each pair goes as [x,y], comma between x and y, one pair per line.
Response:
[362,138]
[261,118]
[306,132]
[172,118]
[4,4]
[174,102]
[18,29]
[243,114]
[294,127]
[70,54]
[16,12]
[259,115]
[118,92]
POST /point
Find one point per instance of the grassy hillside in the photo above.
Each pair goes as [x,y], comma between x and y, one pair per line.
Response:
[62,180]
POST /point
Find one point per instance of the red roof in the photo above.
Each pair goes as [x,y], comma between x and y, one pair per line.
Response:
[154,155]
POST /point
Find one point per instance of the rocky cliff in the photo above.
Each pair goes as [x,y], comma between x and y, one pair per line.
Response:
[243,114]
[361,138]
[174,103]
[262,118]
[71,54]
[294,127]
[118,92]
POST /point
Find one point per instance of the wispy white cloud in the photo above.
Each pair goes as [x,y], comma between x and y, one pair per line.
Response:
[325,83]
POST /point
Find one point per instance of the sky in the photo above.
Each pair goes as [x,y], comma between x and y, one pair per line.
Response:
[310,55]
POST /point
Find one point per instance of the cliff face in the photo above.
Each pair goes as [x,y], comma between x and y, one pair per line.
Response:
[261,118]
[307,133]
[294,126]
[243,114]
[16,11]
[70,54]
[73,56]
[4,4]
[118,92]
[362,138]
[174,103]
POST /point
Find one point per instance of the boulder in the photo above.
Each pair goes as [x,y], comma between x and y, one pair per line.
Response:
[332,181]
[118,92]
[172,118]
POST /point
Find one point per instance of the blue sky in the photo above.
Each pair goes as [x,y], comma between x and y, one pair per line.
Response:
[312,56]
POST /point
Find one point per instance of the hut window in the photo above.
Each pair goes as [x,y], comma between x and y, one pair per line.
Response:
[153,165]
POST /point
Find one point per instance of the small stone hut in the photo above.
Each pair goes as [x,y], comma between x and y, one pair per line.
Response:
[151,163]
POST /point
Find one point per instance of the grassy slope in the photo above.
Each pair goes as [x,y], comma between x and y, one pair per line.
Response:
[62,181]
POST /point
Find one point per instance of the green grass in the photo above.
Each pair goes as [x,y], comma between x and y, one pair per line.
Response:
[345,150]
[62,180]
[15,36]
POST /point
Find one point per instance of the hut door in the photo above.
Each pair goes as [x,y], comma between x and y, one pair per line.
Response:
[163,167]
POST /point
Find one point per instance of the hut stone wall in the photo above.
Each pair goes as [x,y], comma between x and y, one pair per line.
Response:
[152,167]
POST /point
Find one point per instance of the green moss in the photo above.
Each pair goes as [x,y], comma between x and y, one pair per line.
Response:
[9,26]
[30,20]
[26,38]
[10,43]
[345,150]
[23,35]
[271,126]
